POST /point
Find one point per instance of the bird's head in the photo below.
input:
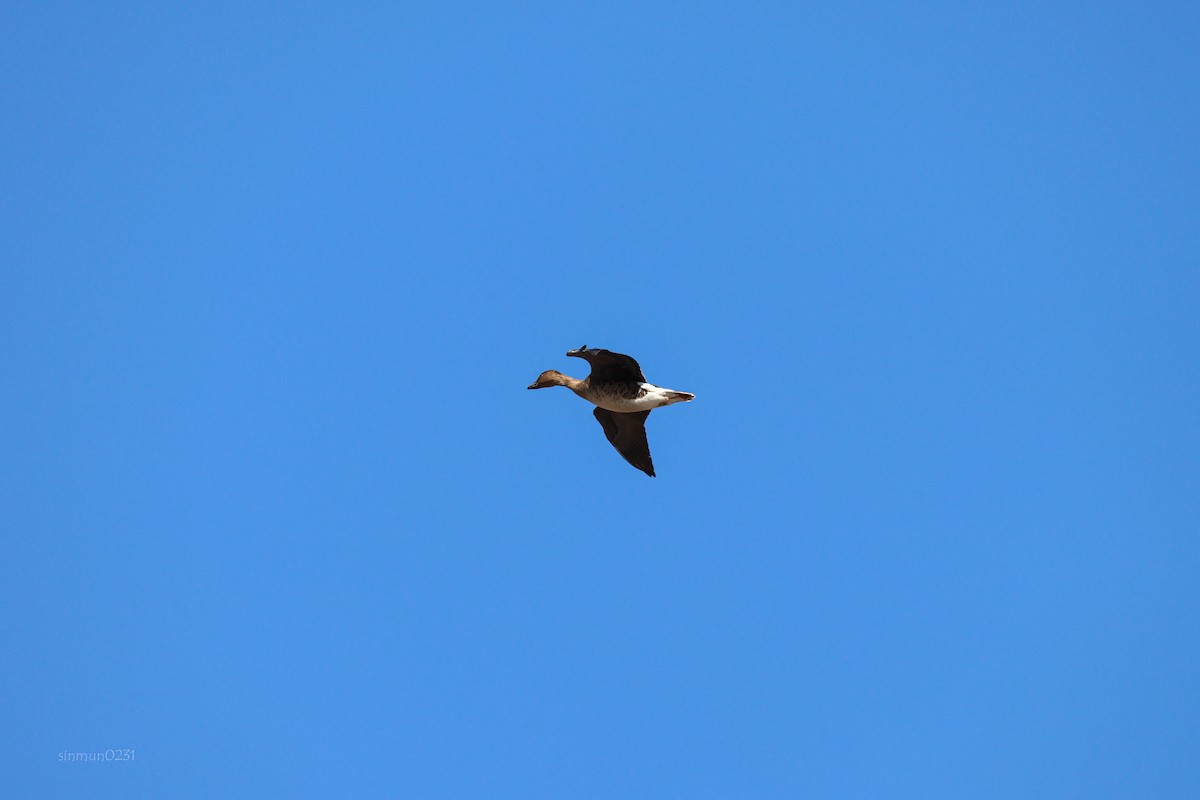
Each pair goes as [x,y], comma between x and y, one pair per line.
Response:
[550,377]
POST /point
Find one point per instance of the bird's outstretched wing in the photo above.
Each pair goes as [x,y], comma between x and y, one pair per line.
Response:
[609,366]
[627,433]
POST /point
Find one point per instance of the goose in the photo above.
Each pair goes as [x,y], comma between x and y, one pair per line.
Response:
[623,400]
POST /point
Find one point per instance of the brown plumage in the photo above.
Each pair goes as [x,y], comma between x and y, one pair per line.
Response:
[623,400]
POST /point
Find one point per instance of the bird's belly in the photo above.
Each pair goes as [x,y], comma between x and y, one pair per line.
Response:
[626,405]
[646,398]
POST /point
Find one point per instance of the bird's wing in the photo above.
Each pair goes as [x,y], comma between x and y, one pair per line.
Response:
[610,366]
[627,433]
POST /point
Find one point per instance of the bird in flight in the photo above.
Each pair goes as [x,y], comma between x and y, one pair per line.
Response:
[623,400]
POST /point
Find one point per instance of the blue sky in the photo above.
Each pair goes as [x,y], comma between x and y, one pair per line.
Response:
[280,515]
